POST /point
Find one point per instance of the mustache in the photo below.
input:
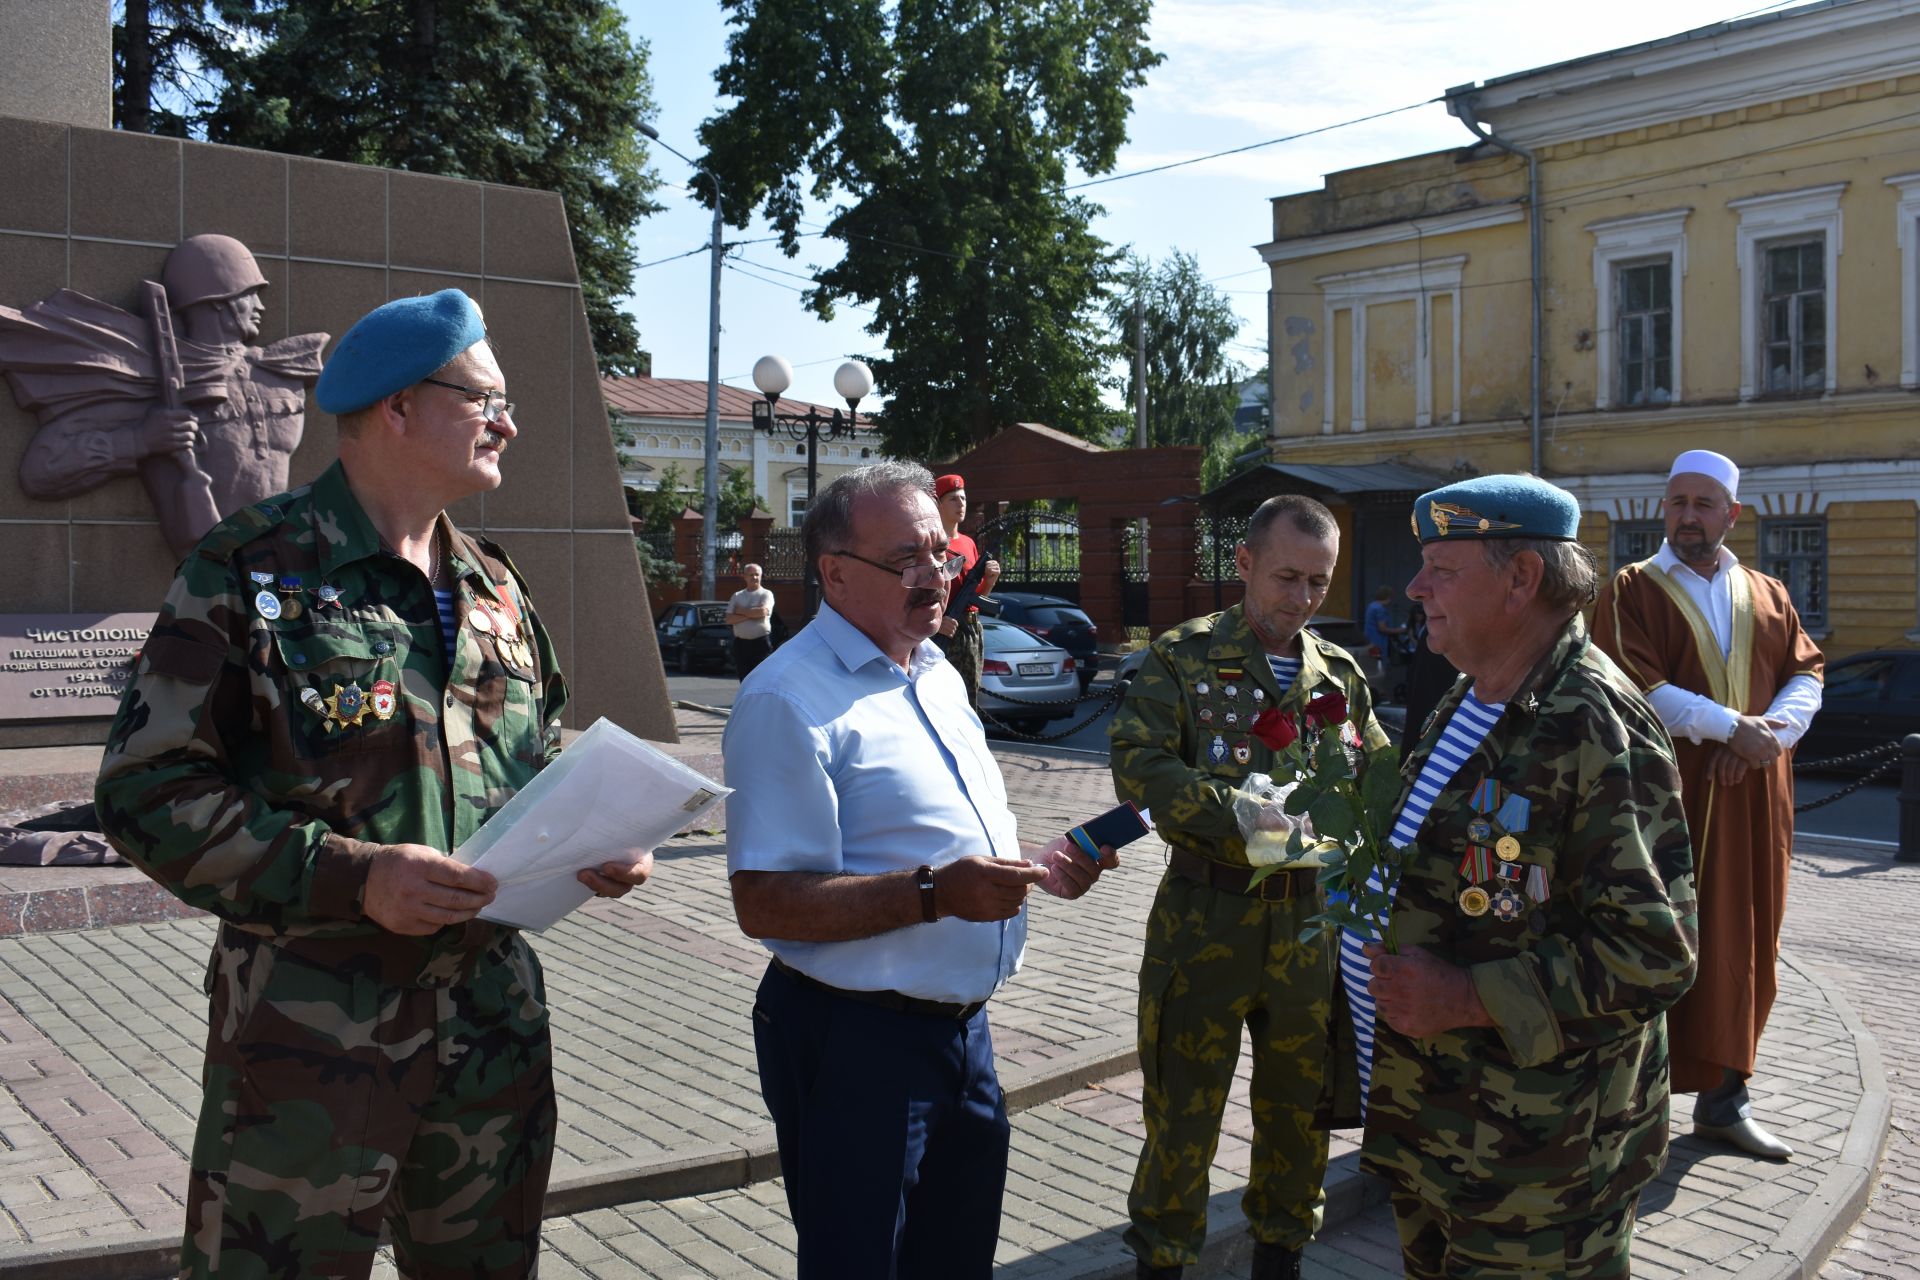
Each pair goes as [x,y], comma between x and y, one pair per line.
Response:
[920,597]
[494,440]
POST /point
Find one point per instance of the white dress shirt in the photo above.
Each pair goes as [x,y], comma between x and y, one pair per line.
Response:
[1698,717]
[845,764]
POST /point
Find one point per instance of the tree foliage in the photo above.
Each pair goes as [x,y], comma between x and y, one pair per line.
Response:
[1192,384]
[545,94]
[949,124]
[161,49]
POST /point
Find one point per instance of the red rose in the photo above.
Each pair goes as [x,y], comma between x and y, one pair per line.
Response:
[1275,729]
[1328,708]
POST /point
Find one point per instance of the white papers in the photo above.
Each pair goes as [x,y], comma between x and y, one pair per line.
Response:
[608,796]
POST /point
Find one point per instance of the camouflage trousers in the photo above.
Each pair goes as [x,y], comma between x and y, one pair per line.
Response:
[1216,961]
[965,650]
[1435,1245]
[334,1102]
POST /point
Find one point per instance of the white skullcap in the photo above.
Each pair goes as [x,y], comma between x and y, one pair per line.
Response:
[1714,466]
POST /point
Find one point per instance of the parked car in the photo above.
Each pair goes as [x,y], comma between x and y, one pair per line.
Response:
[1869,699]
[1016,664]
[693,637]
[1058,622]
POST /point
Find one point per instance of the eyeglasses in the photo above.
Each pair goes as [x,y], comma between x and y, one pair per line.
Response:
[494,404]
[916,576]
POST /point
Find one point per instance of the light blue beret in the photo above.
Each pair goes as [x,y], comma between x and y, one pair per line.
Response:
[396,345]
[1497,507]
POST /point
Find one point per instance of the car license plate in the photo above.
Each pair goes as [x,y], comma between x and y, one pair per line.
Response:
[1036,668]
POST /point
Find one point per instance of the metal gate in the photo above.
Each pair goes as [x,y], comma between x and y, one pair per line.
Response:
[1038,550]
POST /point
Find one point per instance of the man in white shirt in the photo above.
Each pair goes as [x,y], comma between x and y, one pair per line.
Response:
[1720,653]
[870,844]
[750,614]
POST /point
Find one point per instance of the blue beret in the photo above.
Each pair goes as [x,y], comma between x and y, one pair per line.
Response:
[394,346]
[1497,507]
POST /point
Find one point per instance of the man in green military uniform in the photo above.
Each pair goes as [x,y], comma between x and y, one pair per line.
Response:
[1219,954]
[341,687]
[1545,916]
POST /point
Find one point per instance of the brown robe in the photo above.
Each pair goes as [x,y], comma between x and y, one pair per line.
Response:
[1743,834]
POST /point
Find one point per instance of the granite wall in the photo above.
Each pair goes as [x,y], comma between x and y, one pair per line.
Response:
[97,210]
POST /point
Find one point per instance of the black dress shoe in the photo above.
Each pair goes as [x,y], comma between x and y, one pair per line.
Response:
[1273,1262]
[1141,1271]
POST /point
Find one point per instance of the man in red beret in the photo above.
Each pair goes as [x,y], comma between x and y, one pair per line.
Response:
[959,634]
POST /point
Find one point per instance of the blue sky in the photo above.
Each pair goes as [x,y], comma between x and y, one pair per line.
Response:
[1236,72]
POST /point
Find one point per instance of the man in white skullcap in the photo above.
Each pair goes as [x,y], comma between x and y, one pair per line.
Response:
[1719,650]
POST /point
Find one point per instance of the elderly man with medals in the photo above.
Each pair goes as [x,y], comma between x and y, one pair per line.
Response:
[1513,1045]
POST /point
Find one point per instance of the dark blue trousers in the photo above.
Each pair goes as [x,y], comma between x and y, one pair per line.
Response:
[893,1134]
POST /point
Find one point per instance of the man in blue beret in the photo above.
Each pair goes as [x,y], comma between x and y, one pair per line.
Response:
[341,688]
[1513,1049]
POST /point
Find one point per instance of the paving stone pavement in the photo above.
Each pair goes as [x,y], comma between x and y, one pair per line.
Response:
[100,1033]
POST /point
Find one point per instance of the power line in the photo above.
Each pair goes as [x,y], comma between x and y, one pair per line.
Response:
[1252,146]
[675,258]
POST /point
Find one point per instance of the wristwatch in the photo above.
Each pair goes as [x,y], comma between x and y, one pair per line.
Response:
[924,878]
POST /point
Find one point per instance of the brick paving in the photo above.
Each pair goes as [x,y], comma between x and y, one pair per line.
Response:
[100,1034]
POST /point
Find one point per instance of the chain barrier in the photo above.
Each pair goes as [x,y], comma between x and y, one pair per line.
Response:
[1858,757]
[1103,699]
[1886,753]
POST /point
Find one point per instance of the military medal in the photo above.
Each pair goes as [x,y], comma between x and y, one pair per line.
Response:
[503,622]
[312,701]
[1202,688]
[348,705]
[1507,847]
[1233,718]
[1259,694]
[1474,900]
[291,607]
[1242,753]
[478,620]
[1477,865]
[1232,691]
[1537,883]
[1217,750]
[1206,715]
[261,578]
[328,595]
[1507,904]
[1480,831]
[289,584]
[268,604]
[1514,813]
[382,700]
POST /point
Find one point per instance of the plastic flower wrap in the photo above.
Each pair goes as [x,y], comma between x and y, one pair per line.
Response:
[1343,800]
[1259,809]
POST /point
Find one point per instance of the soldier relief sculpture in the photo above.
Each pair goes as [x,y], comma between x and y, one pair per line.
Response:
[177,395]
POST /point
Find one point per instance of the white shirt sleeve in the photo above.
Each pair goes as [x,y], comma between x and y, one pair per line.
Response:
[1796,702]
[1693,716]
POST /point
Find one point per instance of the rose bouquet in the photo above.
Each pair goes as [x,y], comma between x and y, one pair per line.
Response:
[1344,800]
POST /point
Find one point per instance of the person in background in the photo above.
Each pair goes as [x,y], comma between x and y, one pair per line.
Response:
[750,614]
[1381,632]
[959,636]
[1721,655]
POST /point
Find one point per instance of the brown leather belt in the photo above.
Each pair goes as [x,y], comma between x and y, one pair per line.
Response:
[897,1001]
[1301,882]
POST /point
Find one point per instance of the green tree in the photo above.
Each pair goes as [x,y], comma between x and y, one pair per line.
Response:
[161,49]
[1192,384]
[656,509]
[532,93]
[950,125]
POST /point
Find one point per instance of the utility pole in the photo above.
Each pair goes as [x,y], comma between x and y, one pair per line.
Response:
[710,510]
[1140,372]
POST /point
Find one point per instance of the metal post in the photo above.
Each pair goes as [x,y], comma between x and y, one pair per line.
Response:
[1909,800]
[1140,372]
[813,474]
[710,508]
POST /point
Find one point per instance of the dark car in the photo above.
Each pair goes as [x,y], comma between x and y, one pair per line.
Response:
[1059,622]
[1869,700]
[693,637]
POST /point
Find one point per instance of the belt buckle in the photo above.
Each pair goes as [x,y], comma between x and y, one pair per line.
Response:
[1277,887]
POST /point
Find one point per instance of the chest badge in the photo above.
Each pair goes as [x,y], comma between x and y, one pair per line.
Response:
[1217,750]
[268,604]
[348,705]
[480,620]
[382,700]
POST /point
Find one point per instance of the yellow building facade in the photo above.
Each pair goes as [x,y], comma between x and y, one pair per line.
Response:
[1728,228]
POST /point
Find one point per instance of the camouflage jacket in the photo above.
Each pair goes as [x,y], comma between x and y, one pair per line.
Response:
[1181,738]
[228,776]
[1560,1107]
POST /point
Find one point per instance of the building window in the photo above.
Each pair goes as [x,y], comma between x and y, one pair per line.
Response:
[1788,248]
[1636,540]
[796,507]
[1643,332]
[1795,324]
[1795,551]
[1433,287]
[1907,237]
[1639,271]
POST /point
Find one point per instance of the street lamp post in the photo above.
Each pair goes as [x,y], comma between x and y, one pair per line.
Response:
[710,496]
[773,375]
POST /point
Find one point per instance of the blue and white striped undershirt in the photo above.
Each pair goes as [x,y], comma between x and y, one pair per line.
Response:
[1285,671]
[449,625]
[1466,729]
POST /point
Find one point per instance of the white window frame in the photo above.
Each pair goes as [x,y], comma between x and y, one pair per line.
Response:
[1418,282]
[1617,242]
[1766,219]
[1907,236]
